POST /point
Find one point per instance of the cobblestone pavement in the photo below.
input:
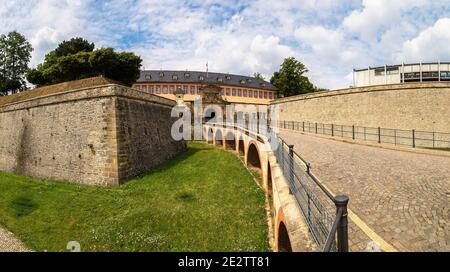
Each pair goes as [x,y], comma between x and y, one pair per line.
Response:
[402,196]
[8,243]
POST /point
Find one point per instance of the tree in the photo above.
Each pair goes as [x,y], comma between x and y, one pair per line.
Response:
[15,54]
[258,75]
[290,79]
[77,59]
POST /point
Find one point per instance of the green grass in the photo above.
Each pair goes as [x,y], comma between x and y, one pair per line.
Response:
[204,200]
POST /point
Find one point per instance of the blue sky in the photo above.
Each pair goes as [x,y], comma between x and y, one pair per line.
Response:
[330,37]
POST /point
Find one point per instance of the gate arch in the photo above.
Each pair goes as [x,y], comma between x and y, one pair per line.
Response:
[284,243]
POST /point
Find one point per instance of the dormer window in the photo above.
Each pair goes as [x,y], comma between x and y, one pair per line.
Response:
[219,79]
[201,78]
[161,74]
[187,75]
[148,77]
[175,77]
[228,77]
[263,84]
[242,81]
[249,80]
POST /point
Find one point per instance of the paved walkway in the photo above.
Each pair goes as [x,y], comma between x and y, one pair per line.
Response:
[9,243]
[403,197]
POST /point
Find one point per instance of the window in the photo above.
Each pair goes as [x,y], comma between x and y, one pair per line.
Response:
[192,89]
[239,92]
[228,77]
[219,79]
[221,91]
[185,89]
[186,75]
[144,89]
[198,90]
[233,92]
[249,80]
[260,94]
[242,81]
[265,95]
[175,77]
[228,91]
[152,89]
[263,84]
[148,77]
[270,95]
[158,89]
[201,78]
[256,94]
[164,89]
[172,89]
[250,93]
[245,92]
[161,74]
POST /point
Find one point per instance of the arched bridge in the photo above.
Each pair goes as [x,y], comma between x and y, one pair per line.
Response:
[304,216]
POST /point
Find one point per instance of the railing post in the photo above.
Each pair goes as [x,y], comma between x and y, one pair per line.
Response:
[353,132]
[379,135]
[291,167]
[303,126]
[332,130]
[413,138]
[308,168]
[365,137]
[341,202]
[316,128]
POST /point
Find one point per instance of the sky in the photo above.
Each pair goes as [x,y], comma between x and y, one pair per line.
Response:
[243,37]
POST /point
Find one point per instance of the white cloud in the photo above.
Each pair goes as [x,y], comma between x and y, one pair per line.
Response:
[432,44]
[330,37]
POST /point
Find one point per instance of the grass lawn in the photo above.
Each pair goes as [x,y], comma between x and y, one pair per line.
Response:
[204,200]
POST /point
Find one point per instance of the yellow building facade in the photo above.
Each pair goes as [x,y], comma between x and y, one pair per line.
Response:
[235,89]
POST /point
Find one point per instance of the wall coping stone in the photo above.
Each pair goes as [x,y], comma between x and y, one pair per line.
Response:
[356,90]
[99,91]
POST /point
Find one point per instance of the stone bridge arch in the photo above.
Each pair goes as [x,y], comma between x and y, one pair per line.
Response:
[230,140]
[290,230]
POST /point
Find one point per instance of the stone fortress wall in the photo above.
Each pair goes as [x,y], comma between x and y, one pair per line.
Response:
[419,106]
[92,131]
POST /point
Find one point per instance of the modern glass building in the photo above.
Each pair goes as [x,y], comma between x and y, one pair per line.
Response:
[402,73]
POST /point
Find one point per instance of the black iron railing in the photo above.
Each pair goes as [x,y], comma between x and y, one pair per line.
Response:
[325,214]
[413,138]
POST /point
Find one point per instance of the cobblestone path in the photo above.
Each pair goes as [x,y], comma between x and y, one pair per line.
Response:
[8,243]
[403,197]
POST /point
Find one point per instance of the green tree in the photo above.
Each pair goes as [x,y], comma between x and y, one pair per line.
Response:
[15,54]
[291,80]
[258,75]
[77,59]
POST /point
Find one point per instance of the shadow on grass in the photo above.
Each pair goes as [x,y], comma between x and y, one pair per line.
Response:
[22,206]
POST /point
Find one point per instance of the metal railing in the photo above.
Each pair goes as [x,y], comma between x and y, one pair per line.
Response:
[329,231]
[411,138]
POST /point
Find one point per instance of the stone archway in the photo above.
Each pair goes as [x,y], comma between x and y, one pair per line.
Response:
[241,146]
[284,243]
[253,159]
[230,141]
[210,136]
[219,138]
